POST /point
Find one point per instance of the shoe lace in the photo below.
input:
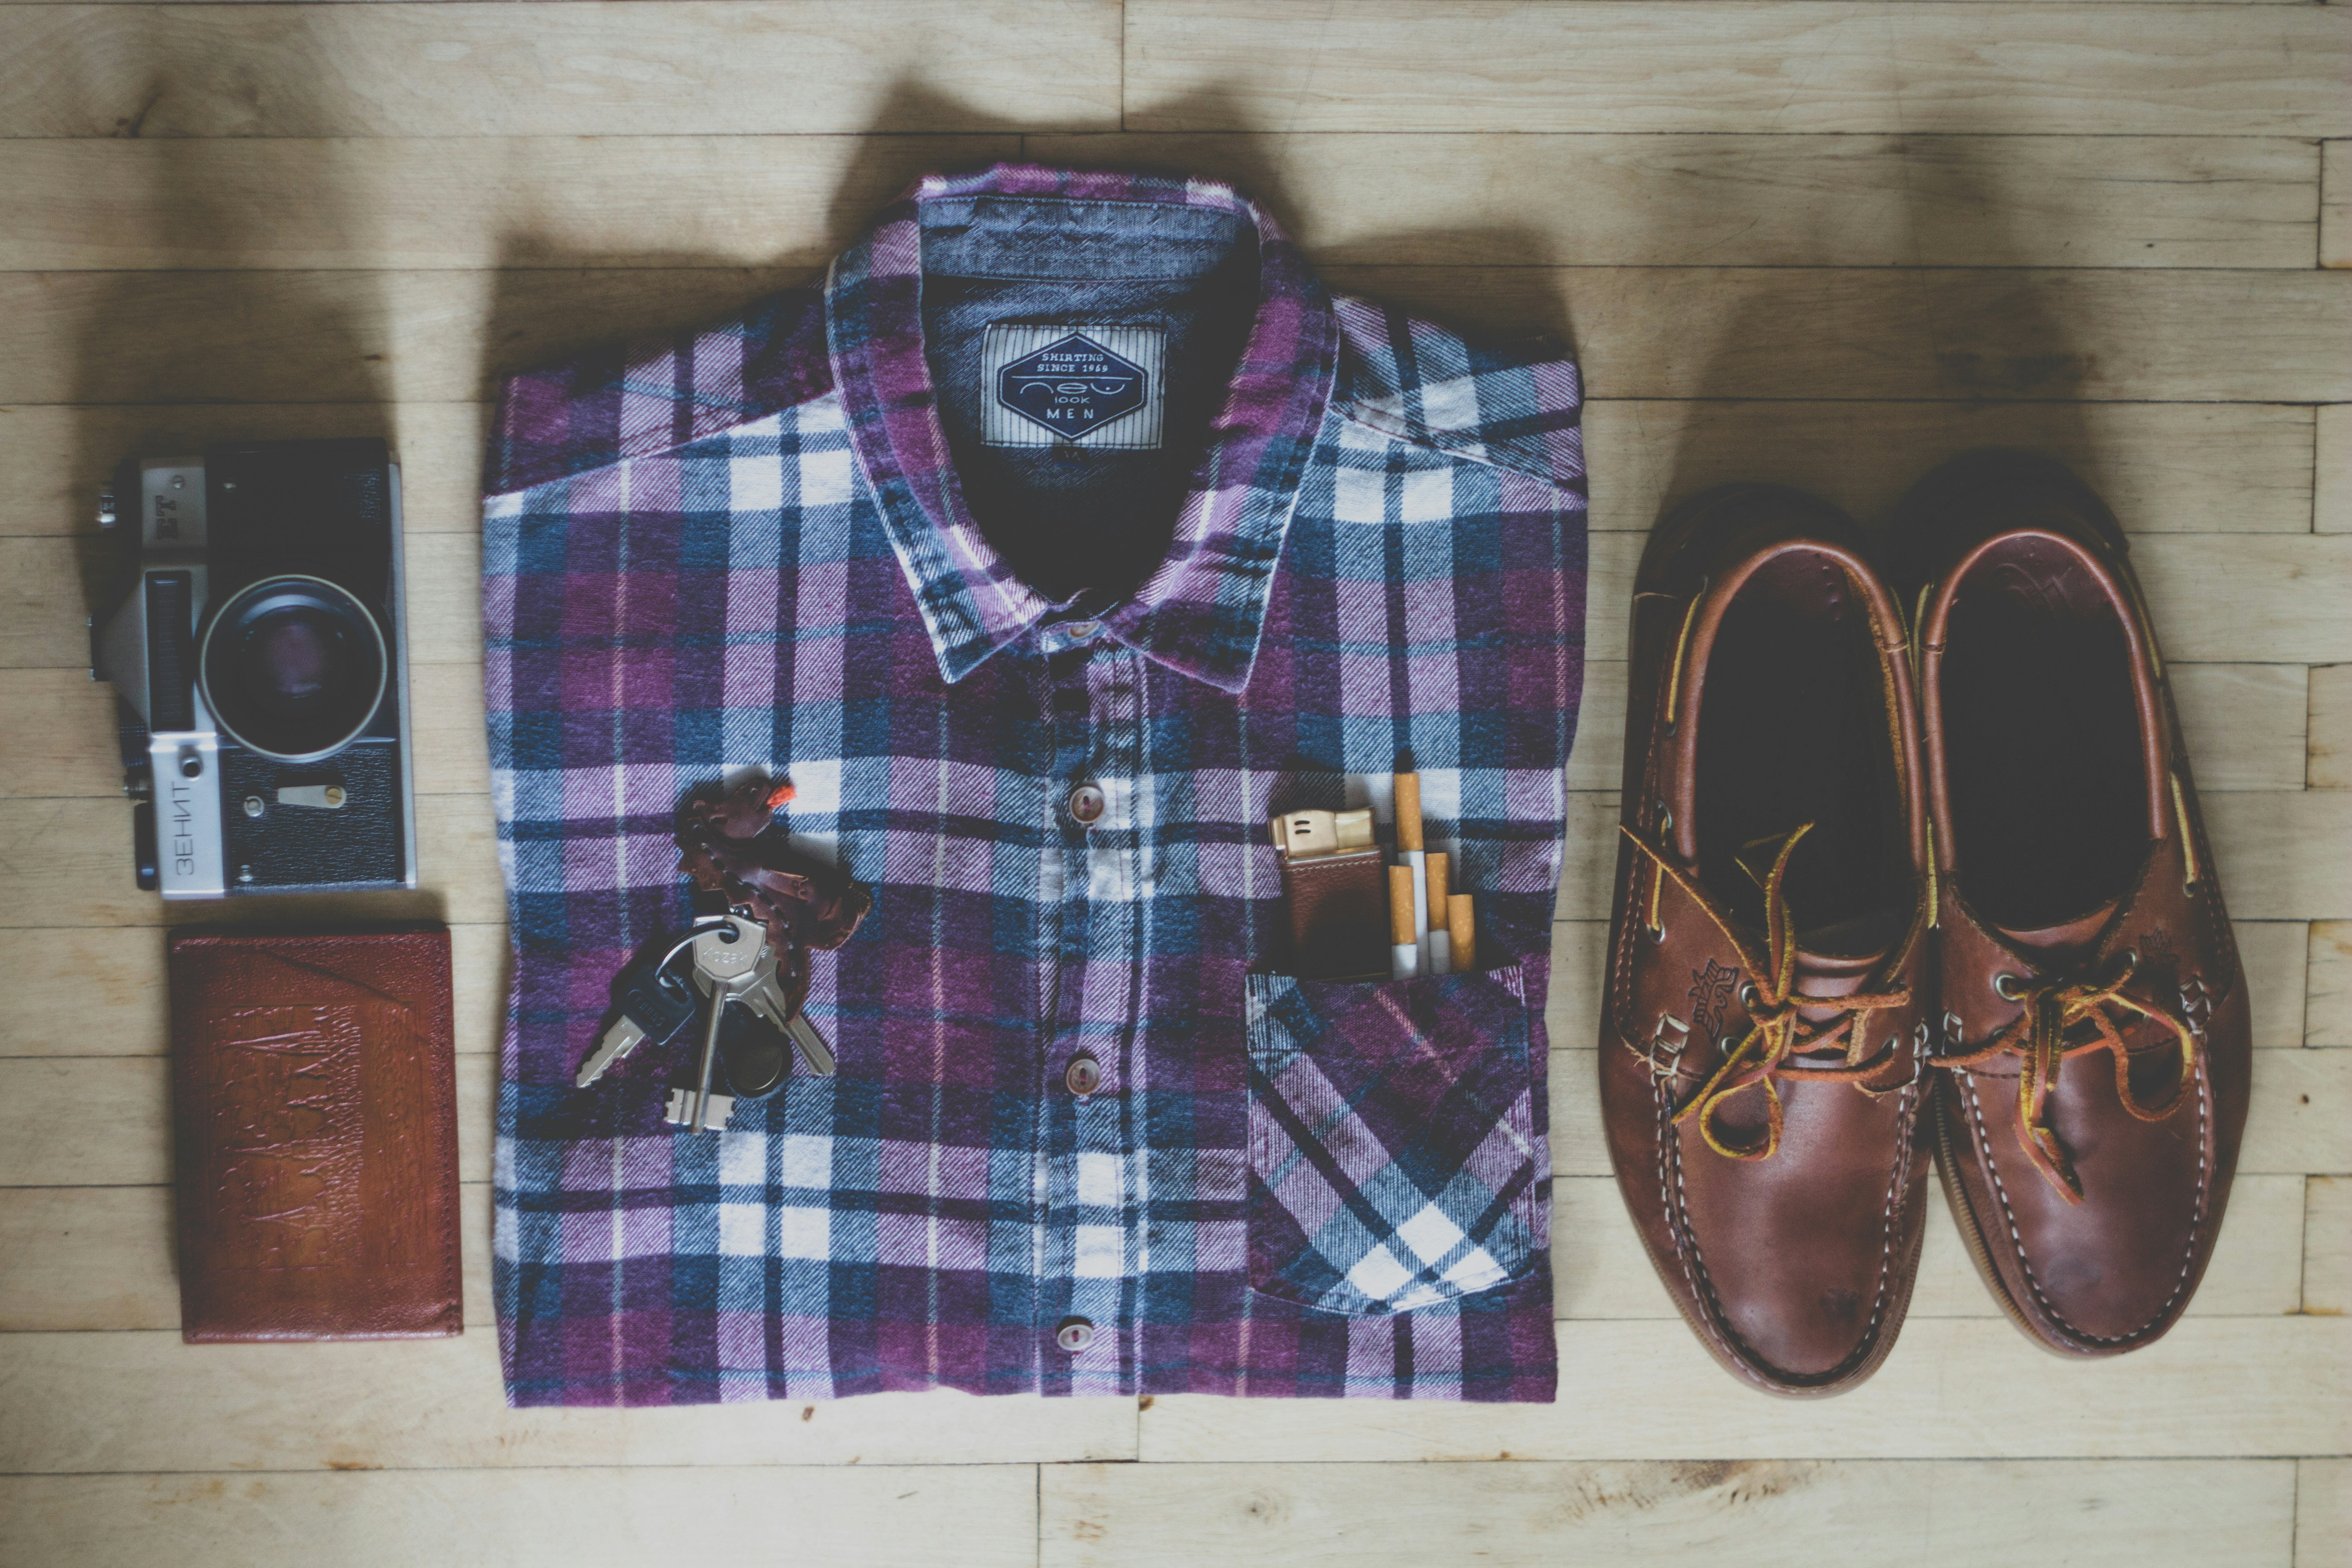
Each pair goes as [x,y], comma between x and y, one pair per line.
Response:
[2055,1008]
[1780,1042]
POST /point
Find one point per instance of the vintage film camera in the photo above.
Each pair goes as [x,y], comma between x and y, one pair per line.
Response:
[260,669]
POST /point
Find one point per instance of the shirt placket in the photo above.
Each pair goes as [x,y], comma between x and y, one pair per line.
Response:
[1092,1230]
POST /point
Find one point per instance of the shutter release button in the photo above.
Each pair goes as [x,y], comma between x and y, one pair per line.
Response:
[1086,805]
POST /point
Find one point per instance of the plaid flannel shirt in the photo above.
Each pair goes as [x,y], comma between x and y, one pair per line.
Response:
[747,547]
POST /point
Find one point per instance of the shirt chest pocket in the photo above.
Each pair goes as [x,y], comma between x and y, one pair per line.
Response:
[1394,1160]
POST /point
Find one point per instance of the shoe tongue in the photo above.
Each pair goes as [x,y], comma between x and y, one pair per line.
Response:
[2078,933]
[1835,960]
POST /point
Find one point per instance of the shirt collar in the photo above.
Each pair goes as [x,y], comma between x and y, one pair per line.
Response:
[1200,610]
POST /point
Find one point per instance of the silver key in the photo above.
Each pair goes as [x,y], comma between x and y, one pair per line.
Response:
[619,1040]
[767,999]
[729,960]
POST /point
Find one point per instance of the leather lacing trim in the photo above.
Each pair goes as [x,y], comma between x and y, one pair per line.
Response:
[1778,1034]
[2038,1036]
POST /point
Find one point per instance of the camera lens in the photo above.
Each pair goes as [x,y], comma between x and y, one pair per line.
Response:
[293,668]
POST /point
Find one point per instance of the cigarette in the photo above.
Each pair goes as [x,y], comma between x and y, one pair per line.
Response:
[1435,864]
[1404,947]
[1407,796]
[1463,929]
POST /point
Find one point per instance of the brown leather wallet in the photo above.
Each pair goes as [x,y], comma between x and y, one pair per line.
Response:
[316,1117]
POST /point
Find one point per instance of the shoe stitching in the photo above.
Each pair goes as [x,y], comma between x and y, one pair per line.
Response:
[2017,1242]
[1701,1283]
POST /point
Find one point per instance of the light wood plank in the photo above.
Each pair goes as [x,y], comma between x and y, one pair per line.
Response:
[2330,728]
[2194,585]
[2331,505]
[621,201]
[1668,1515]
[2323,1513]
[98,991]
[2053,337]
[2284,856]
[1220,65]
[2274,953]
[2327,1006]
[68,863]
[2164,467]
[63,1096]
[2213,1387]
[53,459]
[2328,1246]
[2190,336]
[579,70]
[1601,1271]
[2336,205]
[617,201]
[2244,722]
[1579,951]
[133,1401]
[589,1518]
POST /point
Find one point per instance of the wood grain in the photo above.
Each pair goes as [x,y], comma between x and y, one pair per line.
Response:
[2330,728]
[1804,66]
[2213,1387]
[2331,504]
[2323,1513]
[2328,1246]
[2327,1006]
[1615,200]
[601,1517]
[2336,205]
[95,1403]
[461,69]
[1969,334]
[2163,467]
[2039,335]
[1664,1515]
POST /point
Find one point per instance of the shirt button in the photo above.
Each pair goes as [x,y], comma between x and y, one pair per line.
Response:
[1085,804]
[1082,1076]
[1075,1335]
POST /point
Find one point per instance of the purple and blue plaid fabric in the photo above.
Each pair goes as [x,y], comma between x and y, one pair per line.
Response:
[749,548]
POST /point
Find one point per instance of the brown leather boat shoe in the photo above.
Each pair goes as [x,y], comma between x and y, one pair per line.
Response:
[2094,1043]
[1762,1041]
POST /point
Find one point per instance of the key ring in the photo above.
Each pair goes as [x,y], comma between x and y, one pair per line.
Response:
[701,924]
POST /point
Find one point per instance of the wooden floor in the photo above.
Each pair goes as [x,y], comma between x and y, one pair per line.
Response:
[1805,240]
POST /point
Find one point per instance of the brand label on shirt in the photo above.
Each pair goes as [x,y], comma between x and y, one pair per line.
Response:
[1097,385]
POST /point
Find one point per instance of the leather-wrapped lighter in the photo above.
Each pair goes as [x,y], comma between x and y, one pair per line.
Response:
[315,1111]
[1335,885]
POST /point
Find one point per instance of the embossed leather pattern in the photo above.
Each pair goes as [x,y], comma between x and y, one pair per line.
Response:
[315,1113]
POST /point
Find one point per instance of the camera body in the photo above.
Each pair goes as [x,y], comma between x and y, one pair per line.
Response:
[260,669]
